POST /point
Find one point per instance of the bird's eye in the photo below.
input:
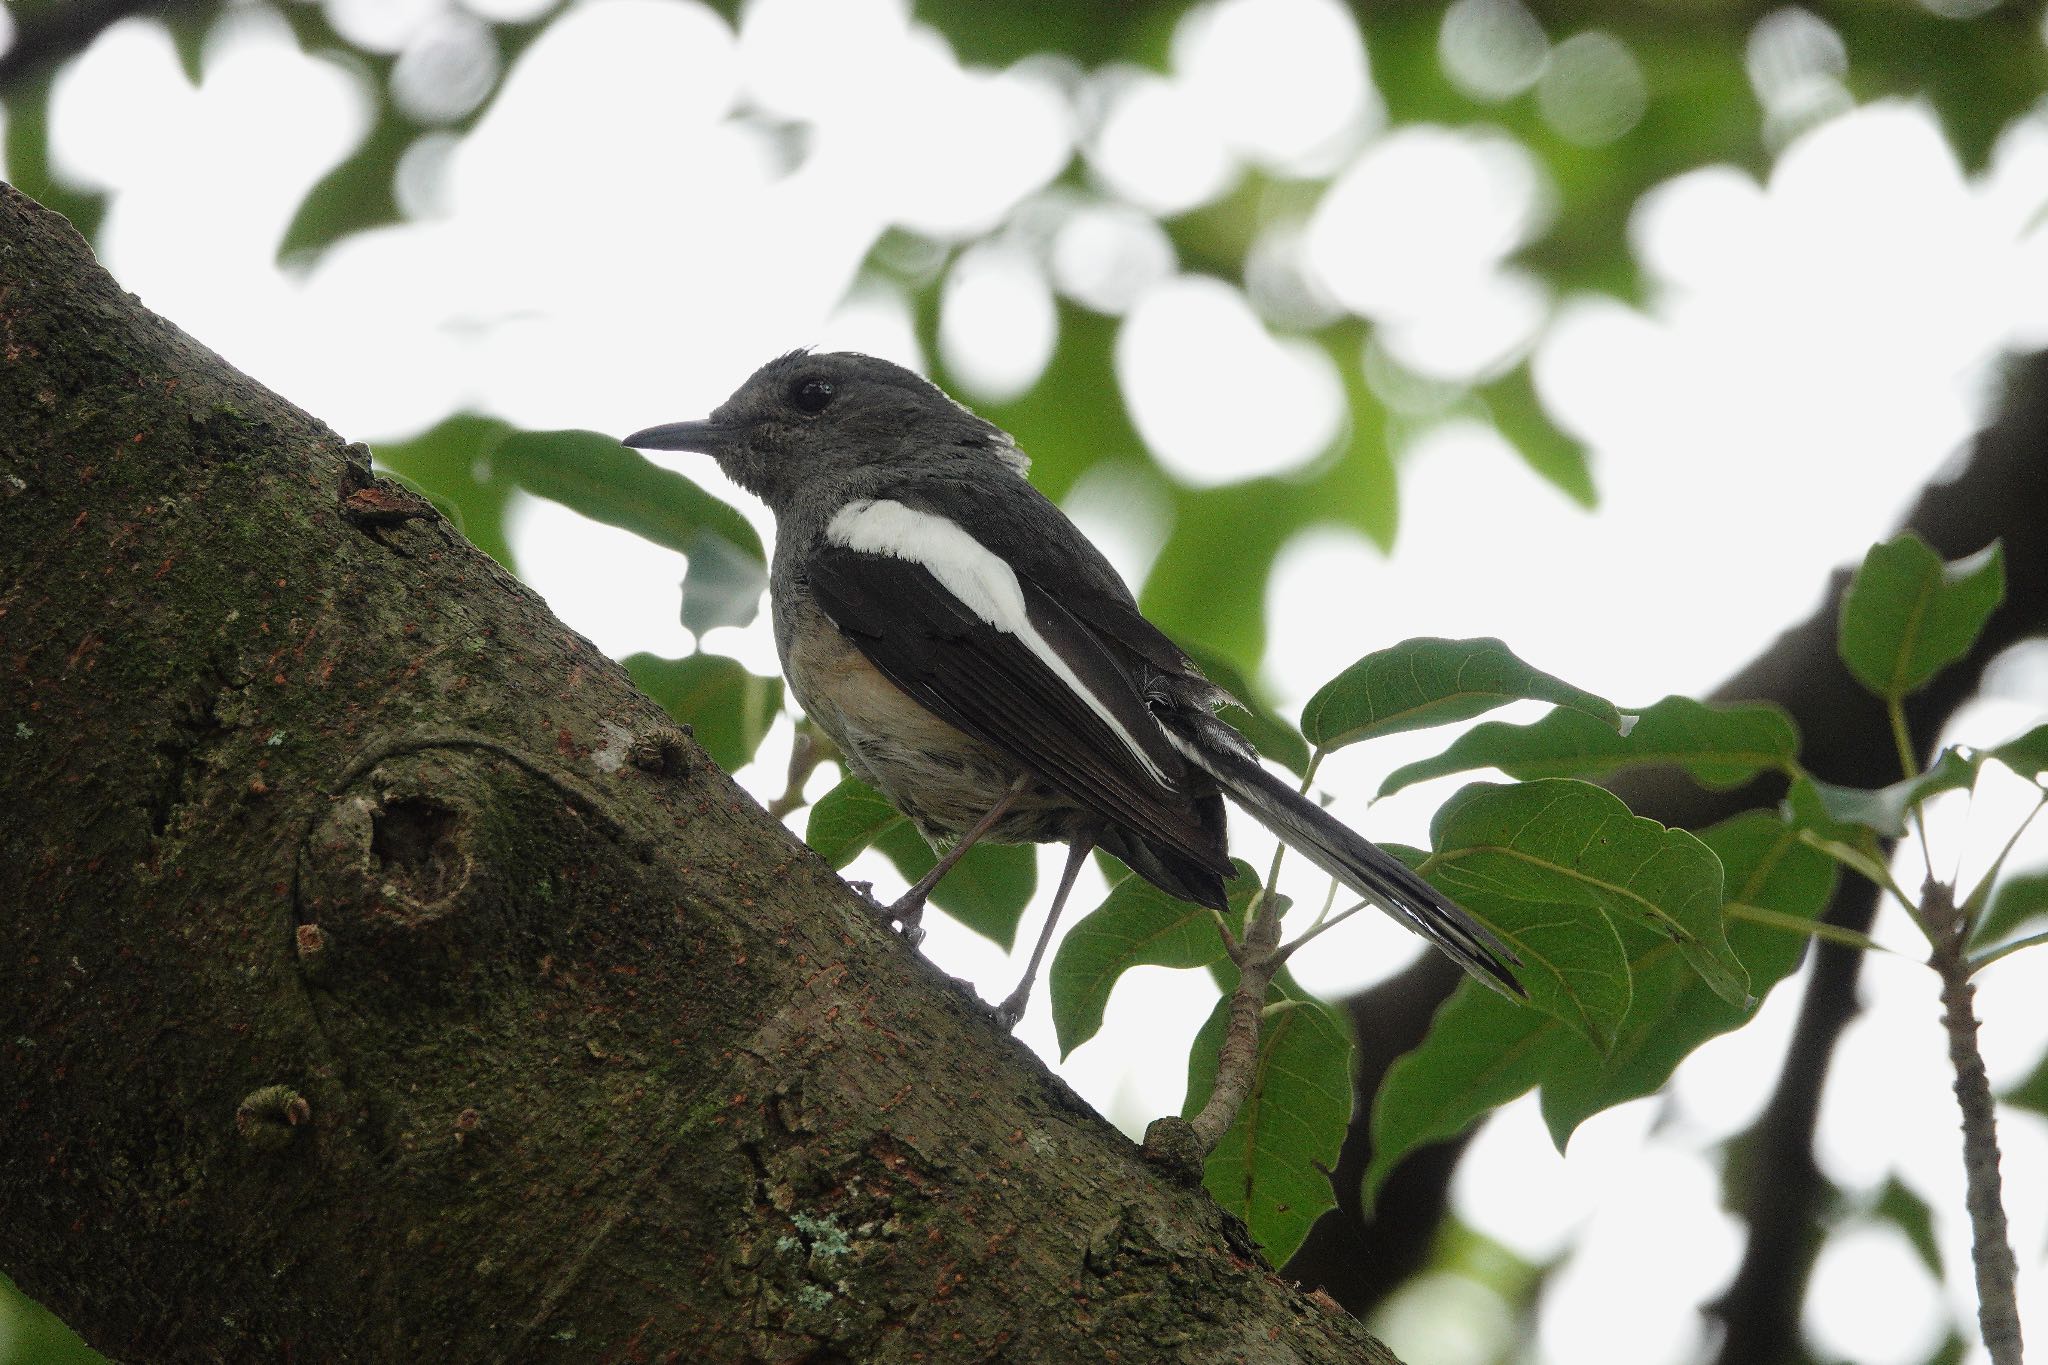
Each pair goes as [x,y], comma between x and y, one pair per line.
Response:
[811,395]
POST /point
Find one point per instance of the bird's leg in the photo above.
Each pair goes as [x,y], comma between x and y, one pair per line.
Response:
[909,907]
[1012,1008]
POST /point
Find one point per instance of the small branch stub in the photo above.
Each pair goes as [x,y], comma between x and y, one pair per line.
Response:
[661,751]
[266,1119]
[1172,1144]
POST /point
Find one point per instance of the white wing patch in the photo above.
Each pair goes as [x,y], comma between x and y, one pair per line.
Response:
[974,574]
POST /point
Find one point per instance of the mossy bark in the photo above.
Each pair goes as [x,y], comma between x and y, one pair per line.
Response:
[383,978]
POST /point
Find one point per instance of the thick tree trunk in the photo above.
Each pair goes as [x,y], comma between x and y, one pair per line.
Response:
[382,978]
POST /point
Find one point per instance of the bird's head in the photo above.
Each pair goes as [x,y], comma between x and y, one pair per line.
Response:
[803,421]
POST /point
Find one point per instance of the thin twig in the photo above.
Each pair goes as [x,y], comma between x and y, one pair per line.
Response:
[1998,1313]
[1324,923]
[1237,1060]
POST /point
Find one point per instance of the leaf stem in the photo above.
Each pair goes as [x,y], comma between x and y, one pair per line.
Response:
[1973,904]
[1814,928]
[1308,777]
[1985,959]
[1998,1314]
[1870,869]
[1909,765]
[1323,924]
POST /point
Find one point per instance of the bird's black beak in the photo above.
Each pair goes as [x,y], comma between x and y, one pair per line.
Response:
[711,438]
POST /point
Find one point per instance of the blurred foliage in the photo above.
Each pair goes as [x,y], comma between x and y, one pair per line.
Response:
[1660,931]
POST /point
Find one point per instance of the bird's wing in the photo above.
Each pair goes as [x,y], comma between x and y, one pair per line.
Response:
[1015,521]
[992,653]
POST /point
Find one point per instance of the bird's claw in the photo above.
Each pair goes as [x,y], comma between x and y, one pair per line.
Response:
[906,919]
[1011,1011]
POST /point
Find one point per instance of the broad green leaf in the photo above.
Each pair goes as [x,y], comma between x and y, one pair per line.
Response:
[1521,418]
[1909,1213]
[2017,904]
[1425,682]
[722,584]
[1720,747]
[847,819]
[1907,615]
[1482,1050]
[1269,734]
[2032,1092]
[987,890]
[1554,866]
[1272,1168]
[359,193]
[27,159]
[2027,755]
[1765,864]
[1138,925]
[1208,584]
[594,475]
[727,708]
[1883,810]
[446,464]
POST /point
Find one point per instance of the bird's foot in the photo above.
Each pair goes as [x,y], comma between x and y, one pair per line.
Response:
[908,917]
[1011,1011]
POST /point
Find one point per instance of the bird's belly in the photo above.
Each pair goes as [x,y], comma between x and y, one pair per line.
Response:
[942,778]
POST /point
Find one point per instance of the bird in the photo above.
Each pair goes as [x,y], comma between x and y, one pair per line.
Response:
[979,662]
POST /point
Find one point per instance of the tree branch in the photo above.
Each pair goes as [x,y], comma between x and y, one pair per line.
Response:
[48,34]
[383,978]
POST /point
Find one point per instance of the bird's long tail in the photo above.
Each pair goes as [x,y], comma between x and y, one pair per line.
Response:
[1342,852]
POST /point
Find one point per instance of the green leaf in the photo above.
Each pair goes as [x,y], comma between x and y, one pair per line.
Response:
[1424,682]
[594,475]
[847,819]
[1720,747]
[359,193]
[2027,755]
[727,708]
[1883,810]
[1910,1214]
[447,465]
[722,584]
[2016,904]
[1272,1168]
[1269,734]
[1482,1050]
[1519,414]
[1553,866]
[1907,615]
[1137,925]
[1765,864]
[987,890]
[2031,1093]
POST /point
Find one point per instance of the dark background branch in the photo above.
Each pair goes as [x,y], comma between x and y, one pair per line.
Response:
[54,31]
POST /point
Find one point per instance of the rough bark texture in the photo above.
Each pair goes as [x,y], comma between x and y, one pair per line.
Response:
[382,978]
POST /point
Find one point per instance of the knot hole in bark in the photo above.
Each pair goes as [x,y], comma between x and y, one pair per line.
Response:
[415,841]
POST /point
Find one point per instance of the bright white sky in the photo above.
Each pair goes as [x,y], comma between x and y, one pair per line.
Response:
[611,248]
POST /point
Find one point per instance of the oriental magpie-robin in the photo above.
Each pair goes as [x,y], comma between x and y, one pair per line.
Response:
[981,664]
